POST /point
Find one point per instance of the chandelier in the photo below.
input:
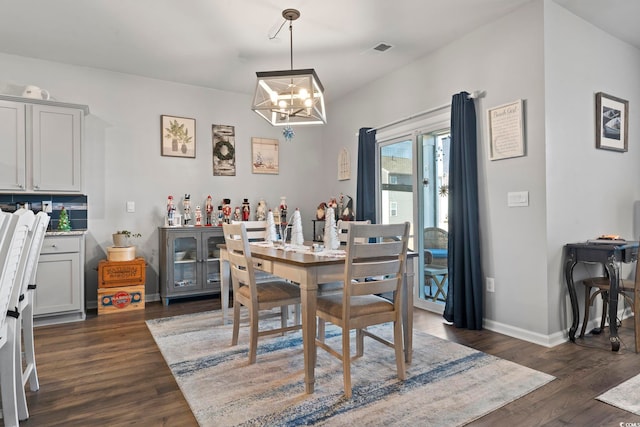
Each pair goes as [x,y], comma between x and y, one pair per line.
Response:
[290,97]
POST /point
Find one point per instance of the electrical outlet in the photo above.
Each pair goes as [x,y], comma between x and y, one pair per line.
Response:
[47,206]
[491,284]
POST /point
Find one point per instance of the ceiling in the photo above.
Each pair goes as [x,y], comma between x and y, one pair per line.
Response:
[222,43]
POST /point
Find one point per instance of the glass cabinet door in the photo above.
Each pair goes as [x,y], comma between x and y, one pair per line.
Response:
[212,260]
[185,256]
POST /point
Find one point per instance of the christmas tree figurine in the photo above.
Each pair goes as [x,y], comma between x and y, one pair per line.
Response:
[331,240]
[297,238]
[271,235]
[64,224]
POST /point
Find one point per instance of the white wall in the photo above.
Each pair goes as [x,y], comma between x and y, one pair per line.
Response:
[505,59]
[123,161]
[589,191]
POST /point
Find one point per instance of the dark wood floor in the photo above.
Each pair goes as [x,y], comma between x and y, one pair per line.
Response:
[107,371]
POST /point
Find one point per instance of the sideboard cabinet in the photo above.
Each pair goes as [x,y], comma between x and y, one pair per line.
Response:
[42,145]
[189,261]
[59,293]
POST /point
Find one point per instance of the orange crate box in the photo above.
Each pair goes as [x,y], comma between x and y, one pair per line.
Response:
[118,300]
[121,273]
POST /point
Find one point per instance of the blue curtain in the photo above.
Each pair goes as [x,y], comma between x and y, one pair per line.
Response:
[366,185]
[464,305]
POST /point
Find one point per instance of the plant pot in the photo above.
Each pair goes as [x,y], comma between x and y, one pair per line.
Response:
[120,240]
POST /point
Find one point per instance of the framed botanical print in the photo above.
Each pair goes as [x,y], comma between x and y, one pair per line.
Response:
[178,136]
[612,122]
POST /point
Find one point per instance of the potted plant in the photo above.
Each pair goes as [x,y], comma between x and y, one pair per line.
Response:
[121,238]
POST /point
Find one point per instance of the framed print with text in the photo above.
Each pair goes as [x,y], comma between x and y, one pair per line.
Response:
[506,131]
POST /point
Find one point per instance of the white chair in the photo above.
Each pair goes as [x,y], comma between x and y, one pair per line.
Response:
[27,288]
[253,295]
[370,269]
[13,408]
[343,229]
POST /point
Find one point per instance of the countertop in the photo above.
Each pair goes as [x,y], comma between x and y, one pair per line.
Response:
[65,233]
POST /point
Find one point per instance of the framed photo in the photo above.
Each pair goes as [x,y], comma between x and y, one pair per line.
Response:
[506,131]
[612,122]
[178,136]
[224,150]
[265,156]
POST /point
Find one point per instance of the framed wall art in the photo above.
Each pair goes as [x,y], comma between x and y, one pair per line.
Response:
[178,136]
[344,165]
[506,131]
[265,156]
[224,150]
[612,122]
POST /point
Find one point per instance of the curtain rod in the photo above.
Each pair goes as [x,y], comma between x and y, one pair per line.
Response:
[474,94]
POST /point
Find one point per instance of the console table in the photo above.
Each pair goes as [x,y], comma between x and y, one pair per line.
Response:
[608,254]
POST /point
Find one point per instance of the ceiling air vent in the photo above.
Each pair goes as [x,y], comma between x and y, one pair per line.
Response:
[382,47]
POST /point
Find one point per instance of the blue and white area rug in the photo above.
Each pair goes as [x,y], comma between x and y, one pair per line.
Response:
[624,396]
[447,384]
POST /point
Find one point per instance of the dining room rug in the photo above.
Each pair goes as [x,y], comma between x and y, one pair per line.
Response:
[447,384]
[624,396]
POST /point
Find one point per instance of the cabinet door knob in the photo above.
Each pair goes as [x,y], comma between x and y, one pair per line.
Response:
[20,186]
[37,187]
[54,246]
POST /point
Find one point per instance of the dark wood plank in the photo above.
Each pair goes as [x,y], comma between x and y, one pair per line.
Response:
[108,370]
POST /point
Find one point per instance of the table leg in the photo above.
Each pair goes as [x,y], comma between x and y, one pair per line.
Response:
[568,272]
[407,311]
[308,295]
[613,304]
[224,289]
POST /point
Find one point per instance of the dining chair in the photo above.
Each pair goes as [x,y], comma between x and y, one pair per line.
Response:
[28,270]
[375,262]
[343,229]
[12,252]
[629,289]
[256,296]
[436,271]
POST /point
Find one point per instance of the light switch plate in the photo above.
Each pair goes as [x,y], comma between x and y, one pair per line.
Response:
[517,198]
[131,206]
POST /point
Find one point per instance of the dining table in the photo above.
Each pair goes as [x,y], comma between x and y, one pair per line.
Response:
[309,269]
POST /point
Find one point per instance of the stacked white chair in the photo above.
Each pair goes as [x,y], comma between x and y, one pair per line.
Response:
[11,253]
[25,293]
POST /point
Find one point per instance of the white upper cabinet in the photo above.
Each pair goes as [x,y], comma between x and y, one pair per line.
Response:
[41,146]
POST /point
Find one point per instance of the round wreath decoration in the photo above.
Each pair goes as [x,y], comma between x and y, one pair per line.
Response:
[217,151]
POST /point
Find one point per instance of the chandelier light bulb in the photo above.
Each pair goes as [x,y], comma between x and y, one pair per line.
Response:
[303,93]
[308,102]
[282,104]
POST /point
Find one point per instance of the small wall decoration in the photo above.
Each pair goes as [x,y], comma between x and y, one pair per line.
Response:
[506,131]
[344,165]
[224,150]
[178,136]
[612,122]
[265,156]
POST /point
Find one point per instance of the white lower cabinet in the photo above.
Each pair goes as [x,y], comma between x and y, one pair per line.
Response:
[60,280]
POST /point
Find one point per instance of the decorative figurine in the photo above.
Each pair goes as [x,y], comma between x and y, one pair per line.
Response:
[283,209]
[186,208]
[198,216]
[321,210]
[209,210]
[171,210]
[226,210]
[220,216]
[347,213]
[261,211]
[246,210]
[64,224]
[237,214]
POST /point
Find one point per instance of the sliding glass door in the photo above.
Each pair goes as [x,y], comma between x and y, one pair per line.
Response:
[413,186]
